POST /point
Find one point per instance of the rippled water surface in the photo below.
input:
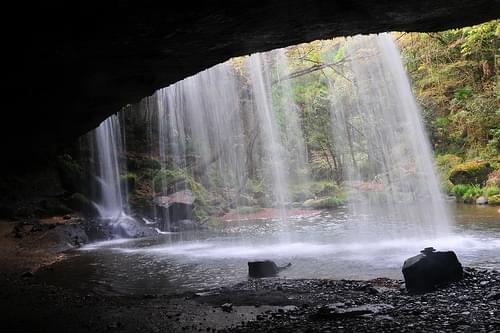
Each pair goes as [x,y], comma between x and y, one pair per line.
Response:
[330,245]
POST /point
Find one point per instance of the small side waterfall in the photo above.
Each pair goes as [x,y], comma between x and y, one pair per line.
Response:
[107,147]
[110,193]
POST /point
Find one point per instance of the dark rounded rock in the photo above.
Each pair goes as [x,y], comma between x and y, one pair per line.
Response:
[266,268]
[430,269]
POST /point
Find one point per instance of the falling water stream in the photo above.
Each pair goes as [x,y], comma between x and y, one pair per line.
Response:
[110,198]
[389,142]
[197,119]
[109,194]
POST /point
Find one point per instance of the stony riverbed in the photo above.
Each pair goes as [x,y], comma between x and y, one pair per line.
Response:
[258,305]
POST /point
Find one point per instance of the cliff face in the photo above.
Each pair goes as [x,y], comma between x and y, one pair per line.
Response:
[71,67]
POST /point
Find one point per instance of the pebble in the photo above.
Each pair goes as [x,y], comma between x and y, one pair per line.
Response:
[466,306]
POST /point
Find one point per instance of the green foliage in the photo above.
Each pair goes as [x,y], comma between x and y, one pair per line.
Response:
[442,122]
[472,193]
[455,79]
[459,190]
[200,213]
[254,186]
[462,93]
[321,164]
[445,163]
[493,146]
[467,192]
[477,40]
[165,180]
[324,188]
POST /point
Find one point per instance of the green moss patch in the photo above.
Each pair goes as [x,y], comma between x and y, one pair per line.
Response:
[472,172]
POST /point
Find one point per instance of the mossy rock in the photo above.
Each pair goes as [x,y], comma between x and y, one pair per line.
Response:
[168,181]
[324,203]
[324,188]
[472,172]
[494,200]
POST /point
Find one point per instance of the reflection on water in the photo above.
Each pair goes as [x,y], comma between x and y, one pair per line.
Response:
[330,245]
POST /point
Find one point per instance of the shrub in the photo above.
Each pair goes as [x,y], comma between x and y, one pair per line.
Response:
[467,192]
[200,214]
[459,190]
[255,187]
[324,188]
[473,192]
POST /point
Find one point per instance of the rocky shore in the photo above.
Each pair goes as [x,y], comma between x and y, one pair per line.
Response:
[381,305]
[258,305]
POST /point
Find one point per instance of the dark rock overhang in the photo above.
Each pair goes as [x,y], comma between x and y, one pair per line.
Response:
[73,67]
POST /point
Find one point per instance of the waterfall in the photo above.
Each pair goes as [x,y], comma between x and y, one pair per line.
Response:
[199,126]
[237,124]
[107,148]
[292,137]
[218,124]
[386,154]
[260,83]
[110,193]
